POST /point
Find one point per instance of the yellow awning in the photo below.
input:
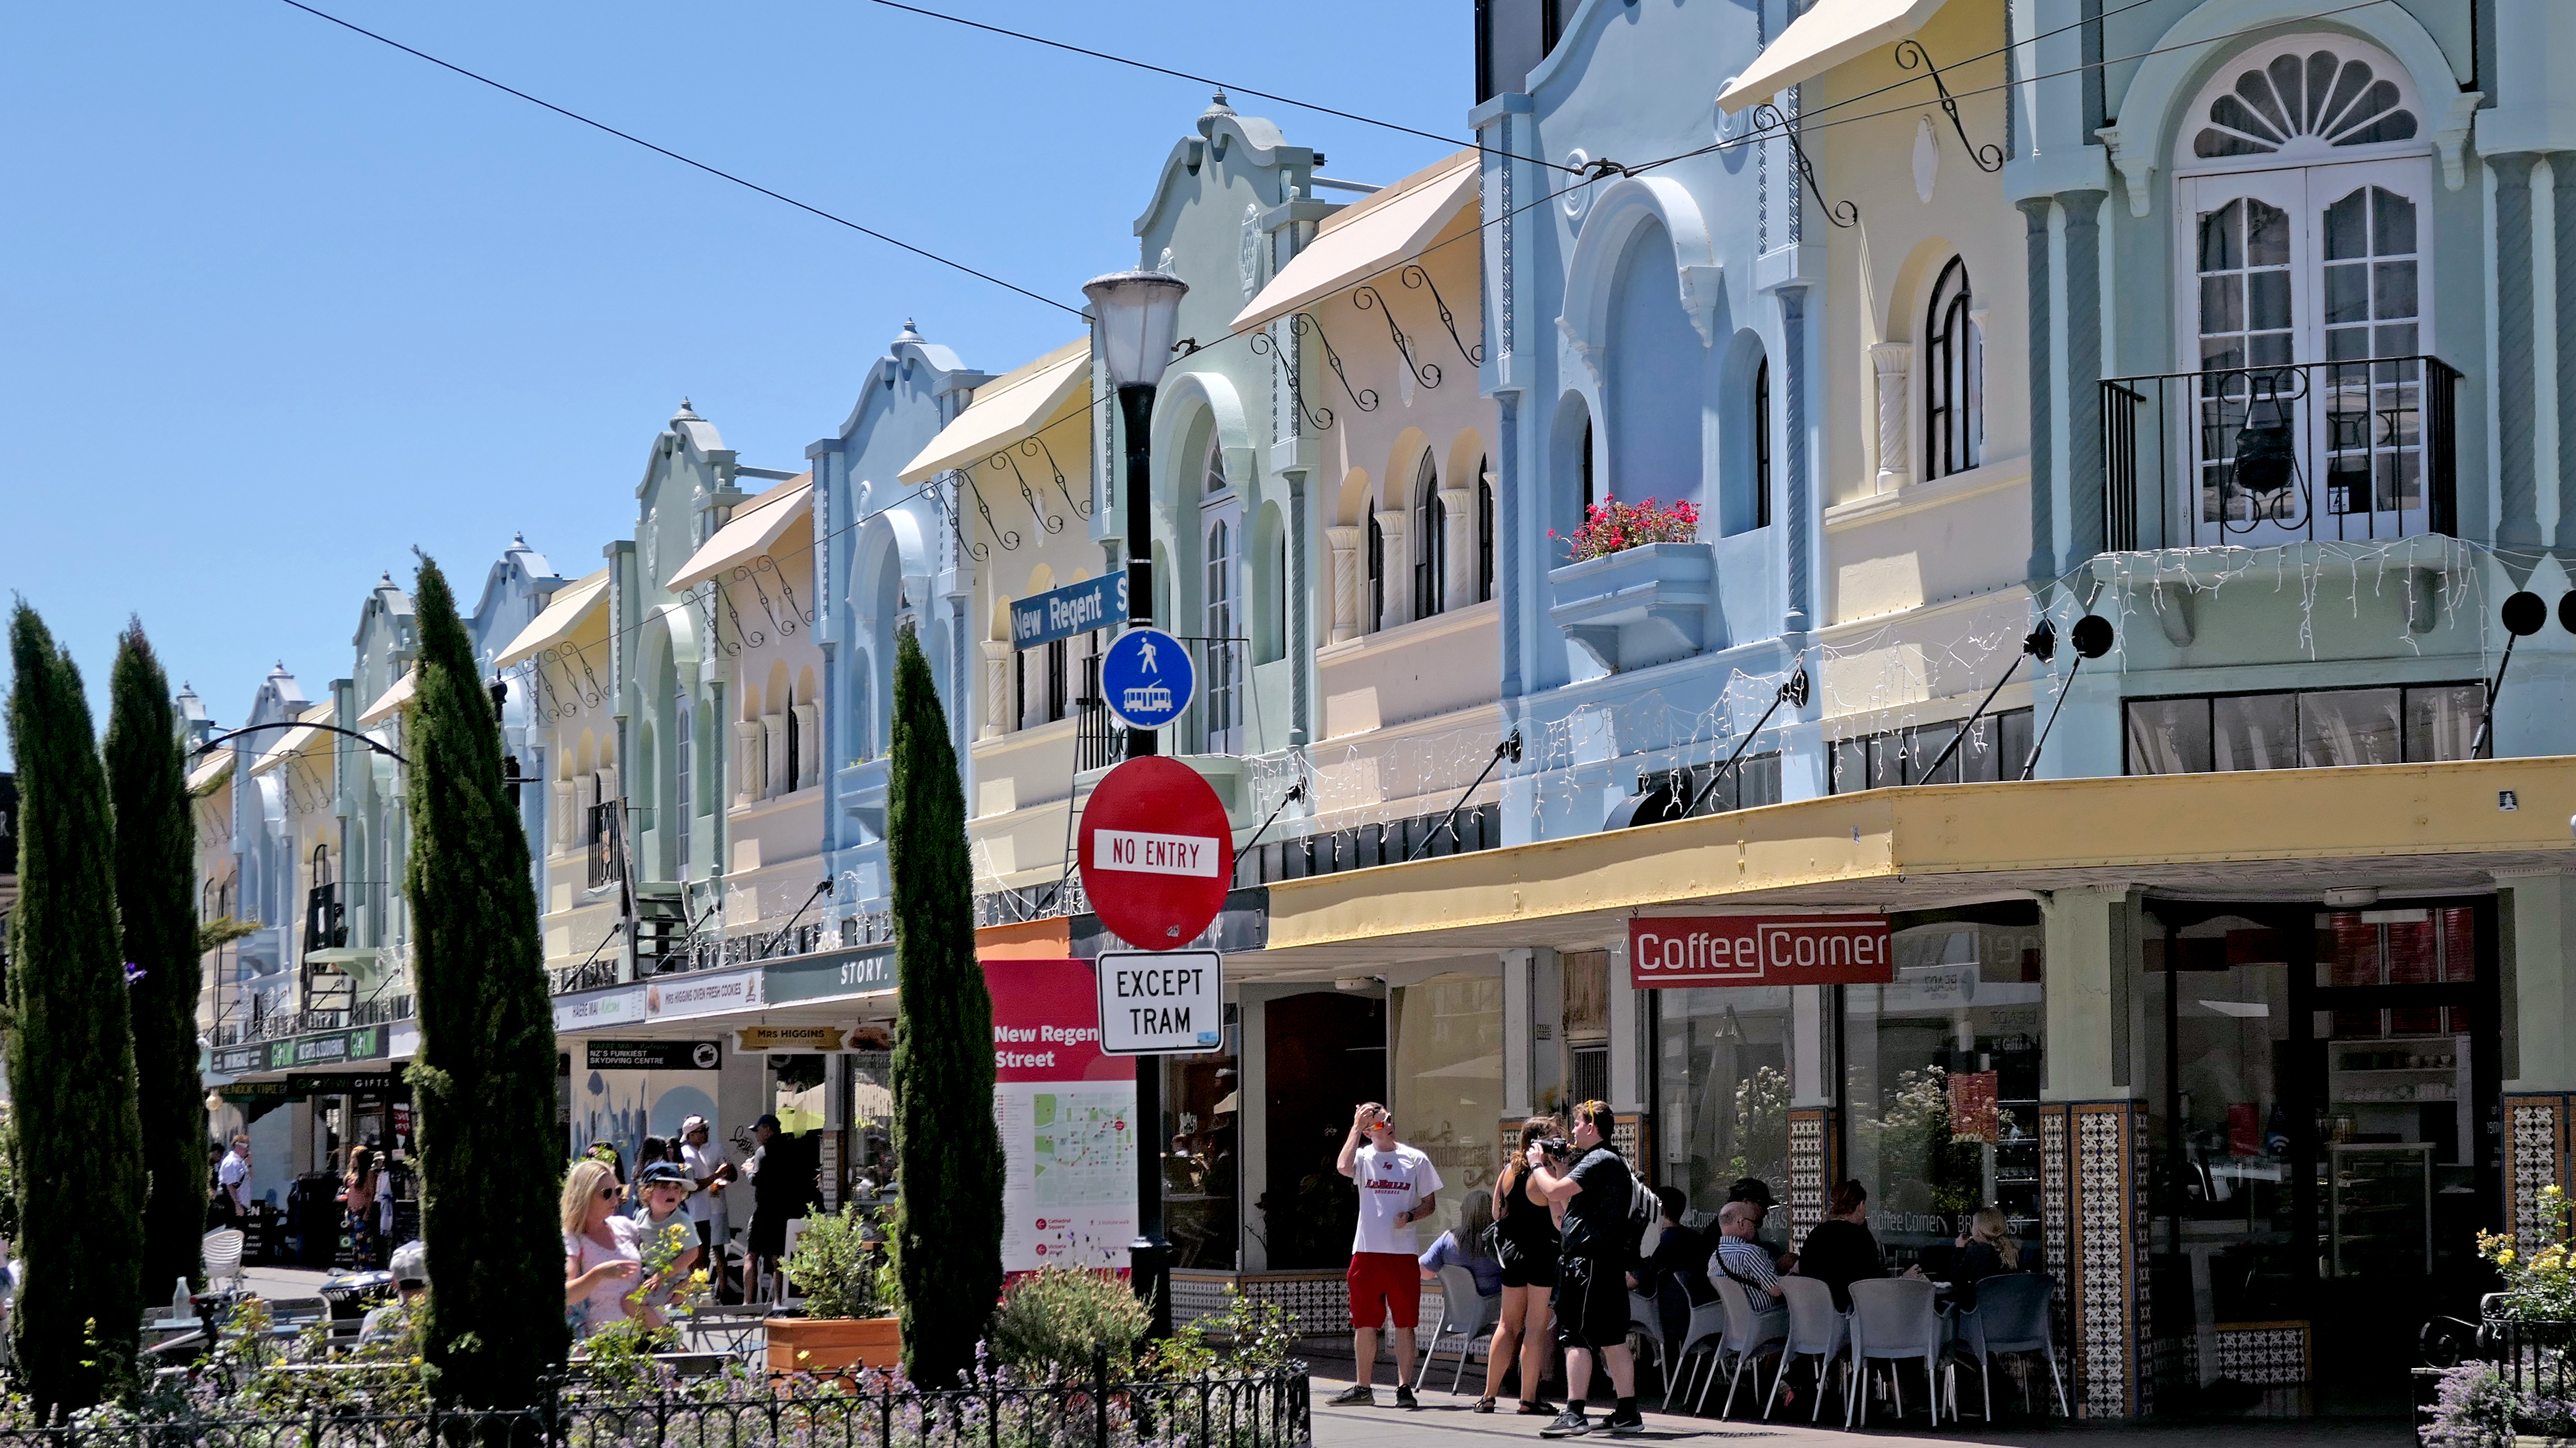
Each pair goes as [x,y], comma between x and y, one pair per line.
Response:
[1007,409]
[202,776]
[1825,37]
[570,609]
[1379,234]
[294,739]
[394,698]
[756,526]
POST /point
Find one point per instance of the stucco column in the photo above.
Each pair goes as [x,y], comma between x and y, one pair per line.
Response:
[1458,546]
[1798,487]
[2518,527]
[1345,546]
[997,688]
[1507,536]
[2562,201]
[1892,361]
[2083,373]
[1396,572]
[2536,926]
[2043,396]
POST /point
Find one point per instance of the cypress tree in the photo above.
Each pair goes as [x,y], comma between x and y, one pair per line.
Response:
[156,856]
[70,1045]
[484,1078]
[949,1153]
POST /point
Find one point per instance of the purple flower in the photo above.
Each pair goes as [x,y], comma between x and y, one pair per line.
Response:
[133,972]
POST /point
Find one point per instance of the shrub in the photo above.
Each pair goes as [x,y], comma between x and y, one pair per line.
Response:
[841,1272]
[1611,526]
[1050,1320]
[2542,1286]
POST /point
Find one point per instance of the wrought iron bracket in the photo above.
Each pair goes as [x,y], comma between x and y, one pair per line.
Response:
[1912,56]
[1368,298]
[1769,117]
[1416,277]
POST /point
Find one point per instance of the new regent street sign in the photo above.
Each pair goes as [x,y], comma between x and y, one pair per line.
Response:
[1699,951]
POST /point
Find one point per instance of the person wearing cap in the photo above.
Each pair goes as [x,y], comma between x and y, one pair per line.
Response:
[411,1284]
[669,1246]
[1756,1192]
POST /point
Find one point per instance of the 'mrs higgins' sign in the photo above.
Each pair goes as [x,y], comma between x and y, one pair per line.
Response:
[1673,952]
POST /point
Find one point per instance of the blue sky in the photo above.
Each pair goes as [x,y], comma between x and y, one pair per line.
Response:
[278,303]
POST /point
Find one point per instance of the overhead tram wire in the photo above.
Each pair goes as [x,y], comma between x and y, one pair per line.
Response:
[1226,85]
[721,174]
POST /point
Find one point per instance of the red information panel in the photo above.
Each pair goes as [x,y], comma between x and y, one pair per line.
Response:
[1156,851]
[1698,951]
[1067,1116]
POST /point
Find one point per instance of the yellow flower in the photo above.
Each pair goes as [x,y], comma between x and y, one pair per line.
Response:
[2553,1190]
[2505,1257]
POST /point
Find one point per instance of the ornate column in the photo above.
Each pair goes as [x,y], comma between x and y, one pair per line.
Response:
[2083,372]
[997,689]
[746,761]
[1458,546]
[1394,571]
[2518,527]
[1798,487]
[1893,363]
[2043,397]
[1345,546]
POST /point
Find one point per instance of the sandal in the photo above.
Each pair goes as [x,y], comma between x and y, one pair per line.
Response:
[1535,1408]
[1484,1405]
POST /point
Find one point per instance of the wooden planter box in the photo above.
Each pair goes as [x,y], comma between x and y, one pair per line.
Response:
[828,1344]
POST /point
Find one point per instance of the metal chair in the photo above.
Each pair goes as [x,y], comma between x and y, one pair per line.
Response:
[1465,1312]
[1816,1330]
[222,1253]
[1747,1333]
[1893,1319]
[2012,1315]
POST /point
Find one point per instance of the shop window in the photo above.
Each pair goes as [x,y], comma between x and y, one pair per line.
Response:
[1448,1085]
[1202,1165]
[1996,748]
[2317,729]
[1376,575]
[1722,1090]
[1940,1080]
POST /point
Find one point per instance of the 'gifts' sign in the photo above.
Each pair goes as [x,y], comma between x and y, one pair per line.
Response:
[1674,952]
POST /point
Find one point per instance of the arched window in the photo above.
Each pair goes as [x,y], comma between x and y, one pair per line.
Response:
[1212,477]
[1430,541]
[1222,712]
[1484,532]
[795,750]
[1584,462]
[1376,575]
[684,720]
[1762,443]
[1953,381]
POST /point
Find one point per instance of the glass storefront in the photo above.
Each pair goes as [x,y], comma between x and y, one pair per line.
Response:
[1448,1085]
[1722,1078]
[1202,1153]
[1940,1083]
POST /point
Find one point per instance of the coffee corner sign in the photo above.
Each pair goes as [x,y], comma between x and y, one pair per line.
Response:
[1699,951]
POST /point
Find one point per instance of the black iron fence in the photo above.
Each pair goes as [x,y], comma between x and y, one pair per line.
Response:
[2249,456]
[1269,1411]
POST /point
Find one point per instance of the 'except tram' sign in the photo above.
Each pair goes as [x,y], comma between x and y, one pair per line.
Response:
[1698,951]
[1163,1002]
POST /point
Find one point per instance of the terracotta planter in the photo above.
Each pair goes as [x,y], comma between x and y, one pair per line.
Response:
[824,1344]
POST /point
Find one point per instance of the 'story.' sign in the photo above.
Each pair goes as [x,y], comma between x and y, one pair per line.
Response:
[1676,952]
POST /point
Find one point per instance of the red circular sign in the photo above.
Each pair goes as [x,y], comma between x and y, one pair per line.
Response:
[1157,852]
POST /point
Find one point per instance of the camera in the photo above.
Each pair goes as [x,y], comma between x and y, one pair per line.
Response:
[1556,1148]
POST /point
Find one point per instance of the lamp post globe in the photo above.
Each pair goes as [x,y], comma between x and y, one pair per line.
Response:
[1139,316]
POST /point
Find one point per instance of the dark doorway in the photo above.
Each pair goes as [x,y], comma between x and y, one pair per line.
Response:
[1326,1054]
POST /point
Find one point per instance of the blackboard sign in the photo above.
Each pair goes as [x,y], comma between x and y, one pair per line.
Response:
[655,1055]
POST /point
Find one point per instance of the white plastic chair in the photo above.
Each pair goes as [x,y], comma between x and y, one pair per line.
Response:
[2011,1315]
[1465,1313]
[1816,1330]
[222,1252]
[1893,1319]
[1747,1333]
[1646,1320]
[1707,1326]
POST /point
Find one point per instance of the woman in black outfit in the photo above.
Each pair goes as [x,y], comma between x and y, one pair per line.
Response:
[1841,1249]
[1526,1234]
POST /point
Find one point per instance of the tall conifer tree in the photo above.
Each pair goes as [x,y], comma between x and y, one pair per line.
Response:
[156,849]
[490,1154]
[948,1151]
[70,1045]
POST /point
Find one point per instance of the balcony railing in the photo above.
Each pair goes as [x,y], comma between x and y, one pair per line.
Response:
[2255,456]
[607,861]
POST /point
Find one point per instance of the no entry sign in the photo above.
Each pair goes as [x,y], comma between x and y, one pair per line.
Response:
[1156,852]
[1717,950]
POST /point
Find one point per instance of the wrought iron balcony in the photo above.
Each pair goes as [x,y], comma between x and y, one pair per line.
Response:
[2302,452]
[607,859]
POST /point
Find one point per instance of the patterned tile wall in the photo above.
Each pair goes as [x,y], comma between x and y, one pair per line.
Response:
[2056,1224]
[2265,1354]
[2536,1133]
[1810,1163]
[1319,1302]
[2107,1284]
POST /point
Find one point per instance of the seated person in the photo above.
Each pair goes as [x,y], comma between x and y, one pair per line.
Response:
[1741,1257]
[1464,1246]
[1676,1276]
[1841,1249]
[410,1269]
[1757,1193]
[1986,1249]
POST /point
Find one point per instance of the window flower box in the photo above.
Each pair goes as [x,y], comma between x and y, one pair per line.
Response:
[1642,605]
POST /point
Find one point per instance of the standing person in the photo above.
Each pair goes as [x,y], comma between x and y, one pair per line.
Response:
[1593,1258]
[601,1258]
[232,1184]
[665,1238]
[1525,1239]
[709,1174]
[782,1187]
[1397,1186]
[358,1200]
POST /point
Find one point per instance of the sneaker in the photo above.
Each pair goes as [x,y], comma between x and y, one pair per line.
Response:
[1568,1424]
[1624,1425]
[1404,1396]
[1356,1395]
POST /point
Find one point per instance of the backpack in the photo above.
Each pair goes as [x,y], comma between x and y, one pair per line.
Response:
[1645,1216]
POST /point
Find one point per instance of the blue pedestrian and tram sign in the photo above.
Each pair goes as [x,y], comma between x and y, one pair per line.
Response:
[1148,677]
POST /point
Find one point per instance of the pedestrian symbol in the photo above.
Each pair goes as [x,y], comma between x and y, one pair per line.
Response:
[1148,678]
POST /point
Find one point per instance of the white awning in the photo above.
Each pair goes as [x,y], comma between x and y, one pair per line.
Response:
[295,738]
[570,608]
[394,698]
[1377,235]
[203,775]
[1825,37]
[1005,410]
[756,526]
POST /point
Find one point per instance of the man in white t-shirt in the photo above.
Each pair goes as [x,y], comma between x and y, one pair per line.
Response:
[708,1173]
[1397,1184]
[232,1184]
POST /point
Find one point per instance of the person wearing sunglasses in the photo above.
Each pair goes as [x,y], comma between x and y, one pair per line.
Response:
[602,1252]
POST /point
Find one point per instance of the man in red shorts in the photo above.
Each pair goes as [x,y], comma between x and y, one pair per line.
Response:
[1397,1184]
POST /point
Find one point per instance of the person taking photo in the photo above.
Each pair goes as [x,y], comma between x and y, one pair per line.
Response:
[1593,1258]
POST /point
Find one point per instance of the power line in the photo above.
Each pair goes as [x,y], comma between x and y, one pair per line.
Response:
[717,172]
[1222,85]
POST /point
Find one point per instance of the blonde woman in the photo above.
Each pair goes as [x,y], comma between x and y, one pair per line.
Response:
[1986,1249]
[1526,1240]
[601,1255]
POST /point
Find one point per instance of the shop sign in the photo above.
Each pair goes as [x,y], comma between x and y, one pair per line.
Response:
[1161,1002]
[235,1060]
[371,1083]
[248,1091]
[1699,951]
[795,1040]
[829,976]
[681,996]
[366,1043]
[654,1055]
[618,1005]
[1060,613]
